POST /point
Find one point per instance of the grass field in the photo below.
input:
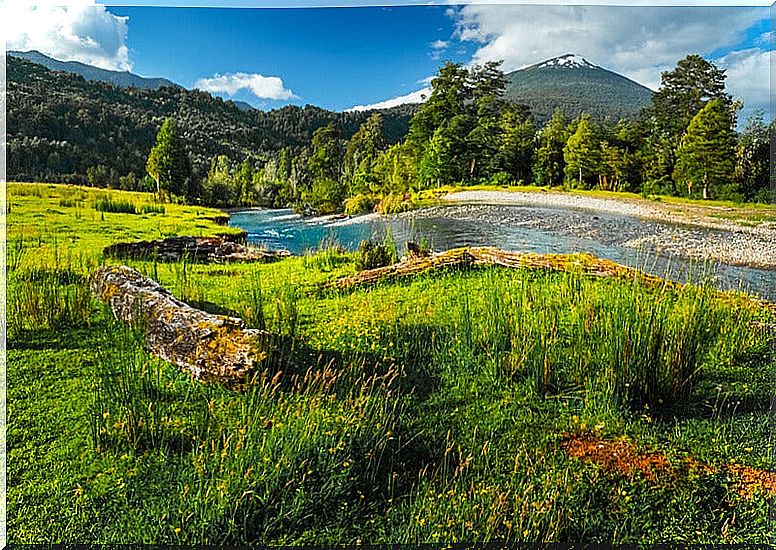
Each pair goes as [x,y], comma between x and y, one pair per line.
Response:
[487,405]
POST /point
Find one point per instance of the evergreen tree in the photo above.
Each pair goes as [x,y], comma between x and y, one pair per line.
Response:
[683,92]
[326,193]
[517,144]
[706,155]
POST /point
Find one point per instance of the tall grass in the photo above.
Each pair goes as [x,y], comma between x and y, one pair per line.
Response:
[286,463]
[152,209]
[106,204]
[618,340]
[129,411]
[48,298]
[253,302]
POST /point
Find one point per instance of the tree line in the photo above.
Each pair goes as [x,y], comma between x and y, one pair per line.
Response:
[466,133]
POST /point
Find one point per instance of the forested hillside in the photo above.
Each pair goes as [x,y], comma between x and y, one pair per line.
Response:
[63,128]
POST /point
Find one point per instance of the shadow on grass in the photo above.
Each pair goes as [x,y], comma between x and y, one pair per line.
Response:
[64,338]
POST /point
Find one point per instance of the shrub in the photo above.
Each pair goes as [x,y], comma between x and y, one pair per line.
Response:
[371,255]
[394,204]
[360,204]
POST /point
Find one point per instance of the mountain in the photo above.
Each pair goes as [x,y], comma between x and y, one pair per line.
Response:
[60,125]
[124,79]
[242,105]
[574,85]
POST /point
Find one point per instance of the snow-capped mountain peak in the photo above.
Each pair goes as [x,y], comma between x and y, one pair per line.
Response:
[569,61]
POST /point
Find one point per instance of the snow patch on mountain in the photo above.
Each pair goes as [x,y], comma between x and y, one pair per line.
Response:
[570,61]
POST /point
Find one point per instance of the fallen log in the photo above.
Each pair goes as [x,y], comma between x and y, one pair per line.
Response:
[484,256]
[211,347]
[467,257]
[219,249]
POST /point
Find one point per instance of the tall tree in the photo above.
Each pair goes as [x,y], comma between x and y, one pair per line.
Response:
[582,153]
[327,192]
[753,158]
[517,143]
[549,163]
[685,90]
[706,155]
[168,163]
[361,156]
[450,93]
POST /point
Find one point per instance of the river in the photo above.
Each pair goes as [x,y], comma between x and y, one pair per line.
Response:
[624,239]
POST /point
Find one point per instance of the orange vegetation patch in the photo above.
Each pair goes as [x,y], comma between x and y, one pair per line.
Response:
[752,480]
[624,458]
[616,456]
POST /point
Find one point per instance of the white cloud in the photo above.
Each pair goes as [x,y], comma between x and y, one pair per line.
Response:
[264,87]
[77,31]
[414,97]
[440,44]
[639,42]
[748,78]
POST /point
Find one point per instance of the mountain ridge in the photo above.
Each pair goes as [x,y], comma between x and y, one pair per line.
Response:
[125,79]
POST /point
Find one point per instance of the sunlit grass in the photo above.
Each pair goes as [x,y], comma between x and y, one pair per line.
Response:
[427,409]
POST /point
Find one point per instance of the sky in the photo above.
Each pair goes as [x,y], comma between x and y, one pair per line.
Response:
[354,57]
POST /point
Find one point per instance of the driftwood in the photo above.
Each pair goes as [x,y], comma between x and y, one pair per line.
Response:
[211,347]
[220,249]
[482,256]
[490,256]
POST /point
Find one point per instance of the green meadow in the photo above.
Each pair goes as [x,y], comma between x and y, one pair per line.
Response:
[453,406]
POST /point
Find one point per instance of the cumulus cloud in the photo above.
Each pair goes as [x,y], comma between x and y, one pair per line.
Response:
[639,42]
[414,97]
[78,31]
[748,78]
[264,87]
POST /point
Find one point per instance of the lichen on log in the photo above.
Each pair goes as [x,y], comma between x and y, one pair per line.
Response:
[219,249]
[210,347]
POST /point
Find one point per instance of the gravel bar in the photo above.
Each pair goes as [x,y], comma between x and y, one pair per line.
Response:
[685,230]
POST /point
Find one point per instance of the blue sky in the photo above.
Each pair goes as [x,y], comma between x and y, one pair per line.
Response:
[339,58]
[334,57]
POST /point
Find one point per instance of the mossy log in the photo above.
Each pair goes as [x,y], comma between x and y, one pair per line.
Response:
[211,347]
[219,249]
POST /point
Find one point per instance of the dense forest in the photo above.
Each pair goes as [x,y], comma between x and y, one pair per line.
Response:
[684,143]
[209,151]
[63,128]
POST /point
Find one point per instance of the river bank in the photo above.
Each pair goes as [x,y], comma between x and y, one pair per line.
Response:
[707,233]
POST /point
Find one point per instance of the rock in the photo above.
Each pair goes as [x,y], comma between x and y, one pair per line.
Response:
[211,347]
[218,220]
[219,249]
